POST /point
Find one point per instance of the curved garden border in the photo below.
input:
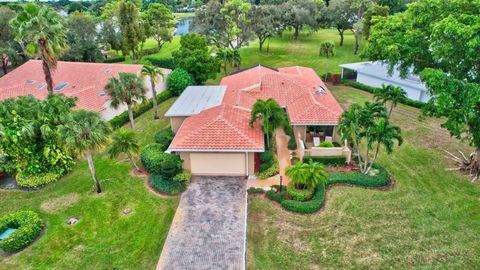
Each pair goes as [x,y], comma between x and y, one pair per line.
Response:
[29,227]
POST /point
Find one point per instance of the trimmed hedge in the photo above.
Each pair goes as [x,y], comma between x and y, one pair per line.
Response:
[277,196]
[34,181]
[121,119]
[165,185]
[361,86]
[164,136]
[273,170]
[28,225]
[254,190]
[114,59]
[161,62]
[379,179]
[327,160]
[183,178]
[326,144]
[299,194]
[150,51]
[156,161]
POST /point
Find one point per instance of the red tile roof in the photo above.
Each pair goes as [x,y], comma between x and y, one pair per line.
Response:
[84,81]
[219,128]
[298,89]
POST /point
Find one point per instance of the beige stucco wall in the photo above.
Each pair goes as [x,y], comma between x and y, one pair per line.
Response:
[176,123]
[300,132]
[108,113]
[218,163]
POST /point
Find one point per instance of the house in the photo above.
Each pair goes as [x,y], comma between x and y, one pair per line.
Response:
[213,135]
[375,74]
[74,79]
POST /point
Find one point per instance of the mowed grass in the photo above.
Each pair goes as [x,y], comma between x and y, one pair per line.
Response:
[429,220]
[104,238]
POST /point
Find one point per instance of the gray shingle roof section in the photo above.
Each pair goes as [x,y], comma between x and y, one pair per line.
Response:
[196,99]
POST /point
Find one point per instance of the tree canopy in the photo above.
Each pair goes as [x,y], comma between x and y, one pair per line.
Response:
[82,38]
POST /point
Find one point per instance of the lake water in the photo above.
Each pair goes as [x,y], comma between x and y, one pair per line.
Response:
[183,26]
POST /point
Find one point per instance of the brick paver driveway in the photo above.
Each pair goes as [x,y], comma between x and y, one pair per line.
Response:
[208,230]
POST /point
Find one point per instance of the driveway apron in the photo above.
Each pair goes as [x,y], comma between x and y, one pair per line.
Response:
[208,230]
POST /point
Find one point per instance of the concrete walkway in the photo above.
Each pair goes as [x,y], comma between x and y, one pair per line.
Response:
[208,230]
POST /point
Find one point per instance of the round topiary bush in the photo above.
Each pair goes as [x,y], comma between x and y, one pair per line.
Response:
[299,194]
[28,225]
[156,161]
[164,136]
[178,80]
[33,181]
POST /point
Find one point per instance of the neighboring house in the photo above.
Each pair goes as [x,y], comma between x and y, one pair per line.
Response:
[73,79]
[213,135]
[376,73]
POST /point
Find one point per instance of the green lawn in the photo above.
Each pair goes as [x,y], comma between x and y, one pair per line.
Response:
[430,219]
[104,238]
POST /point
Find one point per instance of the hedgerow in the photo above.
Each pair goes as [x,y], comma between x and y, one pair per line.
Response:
[28,225]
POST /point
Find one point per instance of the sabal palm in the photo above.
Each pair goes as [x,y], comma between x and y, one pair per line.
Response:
[127,89]
[327,49]
[392,94]
[41,29]
[124,141]
[307,175]
[270,114]
[83,134]
[154,74]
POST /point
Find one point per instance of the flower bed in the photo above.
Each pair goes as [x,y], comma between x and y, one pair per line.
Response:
[379,178]
[28,225]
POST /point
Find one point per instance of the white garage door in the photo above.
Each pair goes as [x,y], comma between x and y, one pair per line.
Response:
[217,163]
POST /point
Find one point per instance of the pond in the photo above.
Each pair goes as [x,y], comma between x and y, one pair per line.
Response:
[183,26]
[7,182]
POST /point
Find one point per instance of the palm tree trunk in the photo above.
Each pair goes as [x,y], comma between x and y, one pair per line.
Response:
[133,162]
[93,173]
[390,112]
[130,116]
[154,97]
[374,158]
[224,69]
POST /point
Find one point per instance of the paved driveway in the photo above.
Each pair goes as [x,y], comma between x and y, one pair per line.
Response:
[208,230]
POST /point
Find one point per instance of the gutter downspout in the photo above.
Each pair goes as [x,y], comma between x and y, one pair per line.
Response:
[246,164]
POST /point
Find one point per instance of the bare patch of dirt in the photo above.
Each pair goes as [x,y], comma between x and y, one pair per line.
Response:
[55,205]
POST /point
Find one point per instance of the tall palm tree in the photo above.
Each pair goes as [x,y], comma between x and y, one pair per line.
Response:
[40,28]
[154,74]
[83,134]
[390,93]
[307,175]
[327,49]
[128,89]
[271,115]
[124,142]
[350,127]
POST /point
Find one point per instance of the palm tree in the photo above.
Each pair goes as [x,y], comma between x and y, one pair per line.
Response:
[124,141]
[350,127]
[236,58]
[307,175]
[271,115]
[83,134]
[225,57]
[127,89]
[390,93]
[154,74]
[40,28]
[327,49]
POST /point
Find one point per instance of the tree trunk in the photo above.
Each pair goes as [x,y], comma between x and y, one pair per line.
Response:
[225,69]
[340,31]
[260,42]
[4,67]
[46,68]
[268,45]
[98,189]
[133,162]
[154,97]
[297,30]
[355,48]
[374,158]
[130,116]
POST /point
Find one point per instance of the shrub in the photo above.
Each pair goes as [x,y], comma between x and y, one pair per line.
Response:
[150,51]
[183,178]
[254,190]
[114,59]
[267,156]
[359,179]
[119,120]
[33,181]
[264,166]
[299,194]
[307,207]
[327,160]
[161,62]
[292,143]
[361,86]
[28,225]
[326,144]
[156,161]
[165,185]
[273,170]
[277,196]
[178,80]
[164,136]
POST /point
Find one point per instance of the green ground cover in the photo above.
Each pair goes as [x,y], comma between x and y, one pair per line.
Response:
[104,238]
[429,220]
